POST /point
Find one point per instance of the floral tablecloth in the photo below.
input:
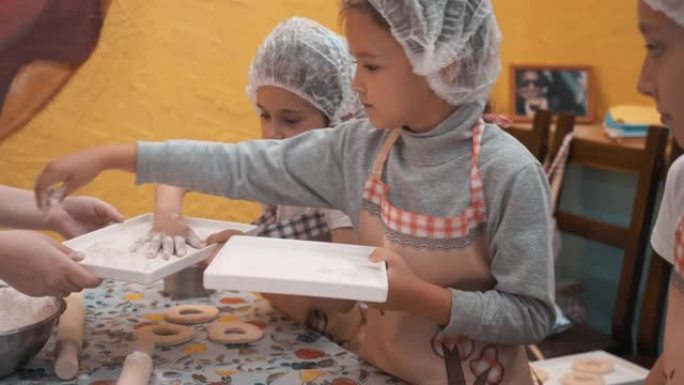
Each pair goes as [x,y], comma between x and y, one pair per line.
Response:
[288,354]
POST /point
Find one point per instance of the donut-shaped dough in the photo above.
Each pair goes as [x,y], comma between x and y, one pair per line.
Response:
[594,365]
[191,314]
[167,334]
[579,378]
[234,333]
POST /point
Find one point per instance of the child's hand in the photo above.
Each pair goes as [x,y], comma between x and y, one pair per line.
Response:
[168,236]
[223,236]
[219,239]
[66,174]
[403,283]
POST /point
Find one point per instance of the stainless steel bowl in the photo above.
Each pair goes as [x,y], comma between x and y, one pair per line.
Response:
[19,346]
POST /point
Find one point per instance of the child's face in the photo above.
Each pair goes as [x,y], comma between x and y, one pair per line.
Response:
[391,93]
[284,114]
[662,74]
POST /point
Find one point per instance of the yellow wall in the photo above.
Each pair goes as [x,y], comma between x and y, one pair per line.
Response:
[177,69]
[163,69]
[601,33]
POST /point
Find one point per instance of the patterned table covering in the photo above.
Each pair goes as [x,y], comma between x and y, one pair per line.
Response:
[288,354]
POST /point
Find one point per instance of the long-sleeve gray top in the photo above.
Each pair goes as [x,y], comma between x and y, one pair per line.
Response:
[427,173]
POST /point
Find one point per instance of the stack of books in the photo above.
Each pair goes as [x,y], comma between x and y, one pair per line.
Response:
[630,121]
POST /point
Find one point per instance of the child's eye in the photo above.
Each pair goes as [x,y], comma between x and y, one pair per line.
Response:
[654,49]
[264,116]
[292,122]
[371,67]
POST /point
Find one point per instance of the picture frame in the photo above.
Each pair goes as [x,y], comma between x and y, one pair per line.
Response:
[555,88]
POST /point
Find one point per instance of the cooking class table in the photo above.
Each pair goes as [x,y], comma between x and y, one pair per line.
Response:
[289,353]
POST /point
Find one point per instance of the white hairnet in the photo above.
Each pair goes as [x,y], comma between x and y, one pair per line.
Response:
[453,43]
[674,9]
[309,60]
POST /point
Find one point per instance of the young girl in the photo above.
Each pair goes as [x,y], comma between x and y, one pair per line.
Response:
[457,208]
[662,77]
[299,80]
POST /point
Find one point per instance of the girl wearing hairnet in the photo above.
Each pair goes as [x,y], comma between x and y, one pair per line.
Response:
[458,209]
[662,77]
[299,80]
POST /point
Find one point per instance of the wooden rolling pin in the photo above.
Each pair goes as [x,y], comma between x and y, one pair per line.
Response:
[137,367]
[70,337]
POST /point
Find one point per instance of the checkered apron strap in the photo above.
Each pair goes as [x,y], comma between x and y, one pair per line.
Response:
[477,199]
[384,152]
[555,171]
[307,226]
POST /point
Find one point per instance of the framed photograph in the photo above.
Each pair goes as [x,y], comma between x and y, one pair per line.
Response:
[555,88]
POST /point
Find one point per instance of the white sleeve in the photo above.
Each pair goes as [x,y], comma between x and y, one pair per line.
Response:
[663,235]
[337,219]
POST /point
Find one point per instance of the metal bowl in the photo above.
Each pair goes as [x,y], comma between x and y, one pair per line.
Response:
[19,346]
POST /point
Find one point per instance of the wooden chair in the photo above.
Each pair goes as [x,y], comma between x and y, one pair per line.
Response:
[654,303]
[535,140]
[646,164]
[565,124]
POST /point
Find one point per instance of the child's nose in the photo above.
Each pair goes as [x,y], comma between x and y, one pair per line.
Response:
[646,85]
[267,131]
[356,84]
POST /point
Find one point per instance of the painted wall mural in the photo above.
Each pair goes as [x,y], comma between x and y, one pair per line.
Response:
[42,42]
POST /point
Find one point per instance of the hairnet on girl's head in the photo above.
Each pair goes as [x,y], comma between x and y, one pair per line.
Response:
[454,44]
[312,62]
[674,9]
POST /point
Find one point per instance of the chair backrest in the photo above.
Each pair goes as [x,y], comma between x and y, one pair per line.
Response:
[655,294]
[535,140]
[646,164]
[565,124]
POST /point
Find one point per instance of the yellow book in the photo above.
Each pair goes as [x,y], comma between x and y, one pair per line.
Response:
[635,115]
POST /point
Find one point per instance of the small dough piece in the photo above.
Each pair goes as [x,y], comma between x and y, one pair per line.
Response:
[539,374]
[234,333]
[191,314]
[594,365]
[579,378]
[167,334]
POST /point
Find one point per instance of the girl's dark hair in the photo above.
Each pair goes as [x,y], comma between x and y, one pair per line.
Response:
[362,6]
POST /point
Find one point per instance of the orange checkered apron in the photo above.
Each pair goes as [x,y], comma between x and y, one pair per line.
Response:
[447,251]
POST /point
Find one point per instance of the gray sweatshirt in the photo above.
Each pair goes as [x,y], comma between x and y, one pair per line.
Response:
[427,173]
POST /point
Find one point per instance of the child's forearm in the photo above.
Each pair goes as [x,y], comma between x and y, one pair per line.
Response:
[118,157]
[432,302]
[169,199]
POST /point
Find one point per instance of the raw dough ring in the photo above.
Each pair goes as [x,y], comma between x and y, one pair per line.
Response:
[594,365]
[580,378]
[167,334]
[234,333]
[191,314]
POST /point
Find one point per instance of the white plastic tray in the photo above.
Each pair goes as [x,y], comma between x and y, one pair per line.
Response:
[305,268]
[107,253]
[626,373]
